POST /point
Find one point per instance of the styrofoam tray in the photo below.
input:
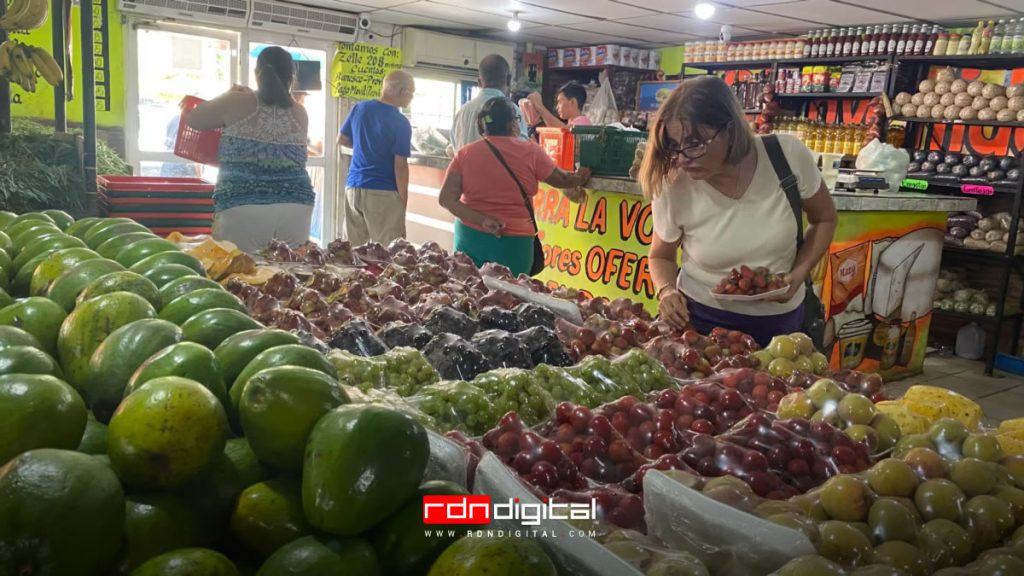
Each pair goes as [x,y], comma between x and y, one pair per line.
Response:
[745,298]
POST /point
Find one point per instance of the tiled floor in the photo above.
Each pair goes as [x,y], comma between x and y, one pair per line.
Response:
[1001,396]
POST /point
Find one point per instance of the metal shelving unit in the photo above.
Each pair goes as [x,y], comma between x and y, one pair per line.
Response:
[908,71]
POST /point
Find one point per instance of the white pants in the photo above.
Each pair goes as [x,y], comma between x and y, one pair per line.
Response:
[253,226]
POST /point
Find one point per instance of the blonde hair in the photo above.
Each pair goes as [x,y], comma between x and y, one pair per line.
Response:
[701,101]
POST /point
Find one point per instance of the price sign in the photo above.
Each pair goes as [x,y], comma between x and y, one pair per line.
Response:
[977,189]
[915,184]
[358,70]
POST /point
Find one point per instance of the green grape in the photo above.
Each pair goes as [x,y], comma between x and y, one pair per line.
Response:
[358,371]
[563,386]
[456,405]
[517,390]
[407,370]
[598,373]
[647,373]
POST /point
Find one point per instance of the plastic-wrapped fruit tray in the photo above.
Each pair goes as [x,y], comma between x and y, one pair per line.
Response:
[750,298]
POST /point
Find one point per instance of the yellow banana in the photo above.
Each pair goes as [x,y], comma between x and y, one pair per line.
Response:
[26,74]
[25,15]
[47,66]
[14,12]
[5,59]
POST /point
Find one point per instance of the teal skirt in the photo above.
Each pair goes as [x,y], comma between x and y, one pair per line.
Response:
[515,252]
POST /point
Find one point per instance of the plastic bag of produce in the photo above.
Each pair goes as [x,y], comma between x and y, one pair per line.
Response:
[759,390]
[455,358]
[502,349]
[447,460]
[493,317]
[706,407]
[648,374]
[934,403]
[445,319]
[682,360]
[456,405]
[531,315]
[544,346]
[734,542]
[391,400]
[516,390]
[357,337]
[564,387]
[597,372]
[397,334]
[890,161]
[910,422]
[403,370]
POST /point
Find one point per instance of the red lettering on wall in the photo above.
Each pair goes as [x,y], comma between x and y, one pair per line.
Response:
[645,228]
[595,263]
[625,269]
[599,221]
[629,214]
[643,284]
[563,211]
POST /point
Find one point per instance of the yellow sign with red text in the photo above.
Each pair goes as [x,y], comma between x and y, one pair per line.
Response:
[599,246]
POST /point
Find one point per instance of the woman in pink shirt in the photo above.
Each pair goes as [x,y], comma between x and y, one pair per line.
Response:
[569,102]
[489,188]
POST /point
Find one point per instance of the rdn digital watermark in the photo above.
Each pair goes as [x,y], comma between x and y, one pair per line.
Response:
[480,510]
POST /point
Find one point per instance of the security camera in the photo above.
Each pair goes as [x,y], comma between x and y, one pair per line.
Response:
[725,34]
[364,22]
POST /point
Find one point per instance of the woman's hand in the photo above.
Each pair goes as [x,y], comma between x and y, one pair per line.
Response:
[575,195]
[672,308]
[492,225]
[794,280]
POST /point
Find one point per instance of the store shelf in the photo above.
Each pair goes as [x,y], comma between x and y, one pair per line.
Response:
[597,68]
[989,320]
[960,122]
[979,254]
[954,187]
[753,111]
[744,65]
[833,60]
[828,95]
[784,63]
[993,61]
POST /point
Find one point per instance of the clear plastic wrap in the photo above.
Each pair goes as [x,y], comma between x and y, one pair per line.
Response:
[683,361]
[391,400]
[403,370]
[516,390]
[539,461]
[502,349]
[761,390]
[448,320]
[597,372]
[592,443]
[648,428]
[544,346]
[704,408]
[647,373]
[495,318]
[372,252]
[397,334]
[357,337]
[447,460]
[340,252]
[565,387]
[733,542]
[531,315]
[390,309]
[456,405]
[455,358]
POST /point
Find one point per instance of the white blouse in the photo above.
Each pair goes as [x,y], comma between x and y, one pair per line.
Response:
[719,233]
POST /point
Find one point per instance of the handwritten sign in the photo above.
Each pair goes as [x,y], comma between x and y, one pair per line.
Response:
[915,184]
[977,189]
[358,70]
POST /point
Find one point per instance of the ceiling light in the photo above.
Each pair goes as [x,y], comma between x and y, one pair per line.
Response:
[704,10]
[514,24]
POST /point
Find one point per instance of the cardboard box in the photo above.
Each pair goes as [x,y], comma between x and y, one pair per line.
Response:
[606,55]
[585,56]
[570,57]
[554,58]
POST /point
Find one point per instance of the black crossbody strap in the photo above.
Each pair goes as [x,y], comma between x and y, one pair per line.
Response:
[788,182]
[526,198]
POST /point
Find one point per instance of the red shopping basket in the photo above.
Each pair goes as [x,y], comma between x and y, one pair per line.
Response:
[196,145]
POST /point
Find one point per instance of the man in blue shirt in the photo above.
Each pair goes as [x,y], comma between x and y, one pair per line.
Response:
[495,78]
[377,188]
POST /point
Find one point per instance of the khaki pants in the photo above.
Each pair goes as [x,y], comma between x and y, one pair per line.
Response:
[253,226]
[373,216]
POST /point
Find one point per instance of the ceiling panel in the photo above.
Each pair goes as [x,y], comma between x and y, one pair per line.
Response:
[593,8]
[836,14]
[637,33]
[531,16]
[683,25]
[573,37]
[942,10]
[369,4]
[760,20]
[404,19]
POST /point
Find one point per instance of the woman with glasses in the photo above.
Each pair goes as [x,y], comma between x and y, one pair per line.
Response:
[716,193]
[489,185]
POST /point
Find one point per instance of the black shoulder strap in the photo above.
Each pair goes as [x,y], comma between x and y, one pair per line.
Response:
[788,182]
[526,198]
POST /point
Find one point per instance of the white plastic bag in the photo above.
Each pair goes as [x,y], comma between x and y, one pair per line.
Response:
[429,141]
[603,109]
[889,161]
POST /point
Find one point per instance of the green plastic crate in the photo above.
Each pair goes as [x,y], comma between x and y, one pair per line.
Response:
[606,151]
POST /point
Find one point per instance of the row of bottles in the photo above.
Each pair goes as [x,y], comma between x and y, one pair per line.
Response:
[824,138]
[902,40]
[749,91]
[1000,37]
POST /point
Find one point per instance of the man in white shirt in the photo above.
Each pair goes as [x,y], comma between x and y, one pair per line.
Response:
[495,78]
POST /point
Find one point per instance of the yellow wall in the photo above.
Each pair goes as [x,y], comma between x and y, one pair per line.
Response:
[109,62]
[672,60]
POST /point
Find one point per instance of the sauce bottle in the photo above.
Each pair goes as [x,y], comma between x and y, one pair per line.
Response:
[929,43]
[941,44]
[976,38]
[865,42]
[847,42]
[815,43]
[830,46]
[875,32]
[858,42]
[896,37]
[954,42]
[919,41]
[986,39]
[883,41]
[807,45]
[964,47]
[901,43]
[996,47]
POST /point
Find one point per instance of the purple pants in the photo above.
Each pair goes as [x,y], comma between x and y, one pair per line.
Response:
[762,328]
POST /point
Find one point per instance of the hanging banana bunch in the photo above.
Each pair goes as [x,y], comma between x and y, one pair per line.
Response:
[19,63]
[25,14]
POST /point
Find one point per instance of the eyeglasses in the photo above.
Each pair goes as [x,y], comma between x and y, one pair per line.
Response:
[691,152]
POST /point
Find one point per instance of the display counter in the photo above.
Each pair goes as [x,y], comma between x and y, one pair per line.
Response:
[877,281]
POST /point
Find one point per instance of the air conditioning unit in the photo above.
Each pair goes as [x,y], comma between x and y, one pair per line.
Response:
[431,49]
[225,12]
[303,20]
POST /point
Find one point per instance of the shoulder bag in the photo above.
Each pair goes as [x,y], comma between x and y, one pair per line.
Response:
[814,311]
[538,249]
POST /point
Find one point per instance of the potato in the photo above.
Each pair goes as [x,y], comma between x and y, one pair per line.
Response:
[980,103]
[998,103]
[963,99]
[924,111]
[1015,103]
[948,99]
[1006,115]
[958,86]
[902,99]
[917,99]
[990,91]
[931,99]
[987,115]
[909,110]
[952,112]
[926,86]
[1015,90]
[975,88]
[942,87]
[938,112]
[1020,116]
[968,113]
[945,75]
